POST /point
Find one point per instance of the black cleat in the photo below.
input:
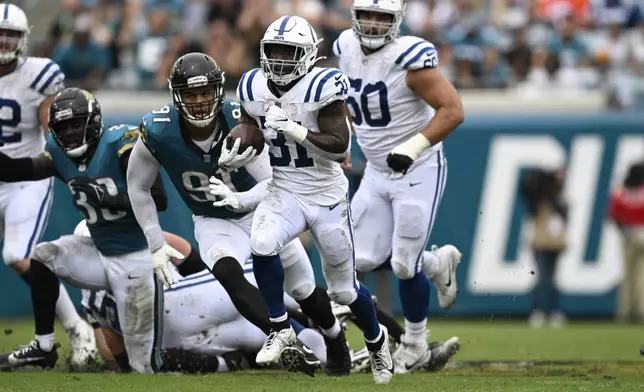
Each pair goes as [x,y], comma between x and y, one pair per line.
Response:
[338,356]
[298,358]
[31,355]
[441,353]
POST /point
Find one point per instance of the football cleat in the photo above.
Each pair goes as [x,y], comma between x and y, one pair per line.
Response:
[411,355]
[382,365]
[83,345]
[441,353]
[360,360]
[276,342]
[338,355]
[299,359]
[31,355]
[445,281]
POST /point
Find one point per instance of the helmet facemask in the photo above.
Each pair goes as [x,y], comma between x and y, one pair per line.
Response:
[75,134]
[283,62]
[13,43]
[375,28]
[199,102]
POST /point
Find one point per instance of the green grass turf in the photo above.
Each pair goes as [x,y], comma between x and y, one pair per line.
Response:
[495,356]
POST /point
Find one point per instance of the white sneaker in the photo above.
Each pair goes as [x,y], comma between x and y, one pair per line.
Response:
[445,281]
[557,320]
[83,345]
[537,319]
[275,343]
[411,355]
[382,365]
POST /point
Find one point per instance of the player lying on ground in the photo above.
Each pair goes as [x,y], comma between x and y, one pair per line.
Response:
[186,139]
[301,112]
[93,162]
[27,87]
[402,108]
[204,333]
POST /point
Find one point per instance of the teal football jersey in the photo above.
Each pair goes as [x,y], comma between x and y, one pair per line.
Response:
[187,165]
[113,232]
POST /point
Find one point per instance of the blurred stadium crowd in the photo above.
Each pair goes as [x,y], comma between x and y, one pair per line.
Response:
[541,45]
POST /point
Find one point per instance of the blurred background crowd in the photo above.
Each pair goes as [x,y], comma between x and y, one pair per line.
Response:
[540,45]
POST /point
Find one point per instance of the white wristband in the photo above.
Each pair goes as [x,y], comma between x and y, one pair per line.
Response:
[299,133]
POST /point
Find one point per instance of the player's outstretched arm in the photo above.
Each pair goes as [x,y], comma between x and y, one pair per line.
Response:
[26,169]
[142,172]
[157,191]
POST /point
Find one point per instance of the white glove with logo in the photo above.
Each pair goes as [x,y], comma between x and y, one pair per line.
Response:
[160,259]
[279,121]
[226,196]
[230,160]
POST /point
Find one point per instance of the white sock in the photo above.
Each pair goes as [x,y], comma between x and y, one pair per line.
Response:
[377,339]
[65,309]
[431,264]
[333,331]
[46,342]
[223,367]
[315,342]
[416,331]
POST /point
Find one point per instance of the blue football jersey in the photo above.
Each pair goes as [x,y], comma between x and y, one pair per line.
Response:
[187,165]
[113,232]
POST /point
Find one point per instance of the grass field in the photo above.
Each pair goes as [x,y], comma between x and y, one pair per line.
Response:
[495,356]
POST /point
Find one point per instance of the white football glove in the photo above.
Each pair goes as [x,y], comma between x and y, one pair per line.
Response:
[160,259]
[279,121]
[230,160]
[226,196]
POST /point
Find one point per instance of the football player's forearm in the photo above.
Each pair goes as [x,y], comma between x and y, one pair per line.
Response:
[24,169]
[142,171]
[326,147]
[444,122]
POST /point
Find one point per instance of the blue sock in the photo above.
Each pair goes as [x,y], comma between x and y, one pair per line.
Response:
[297,327]
[26,276]
[414,296]
[269,274]
[365,312]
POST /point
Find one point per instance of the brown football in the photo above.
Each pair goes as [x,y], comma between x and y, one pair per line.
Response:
[250,135]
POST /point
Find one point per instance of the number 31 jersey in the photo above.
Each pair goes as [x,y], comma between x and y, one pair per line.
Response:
[385,111]
[318,180]
[21,93]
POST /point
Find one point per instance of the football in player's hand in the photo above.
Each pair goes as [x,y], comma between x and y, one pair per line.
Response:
[250,135]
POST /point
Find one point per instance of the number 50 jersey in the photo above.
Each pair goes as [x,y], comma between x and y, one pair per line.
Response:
[385,111]
[317,179]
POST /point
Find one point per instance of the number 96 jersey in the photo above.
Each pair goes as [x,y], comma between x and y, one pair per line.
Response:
[385,111]
[317,179]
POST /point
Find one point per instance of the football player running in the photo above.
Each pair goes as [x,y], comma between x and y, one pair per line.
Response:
[301,111]
[402,109]
[27,88]
[93,162]
[186,138]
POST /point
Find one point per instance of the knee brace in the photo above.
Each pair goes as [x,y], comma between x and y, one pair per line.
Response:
[343,297]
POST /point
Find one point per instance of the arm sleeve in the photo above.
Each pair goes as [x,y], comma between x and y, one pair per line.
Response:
[143,170]
[260,169]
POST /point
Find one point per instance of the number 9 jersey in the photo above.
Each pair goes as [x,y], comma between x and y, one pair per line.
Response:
[385,111]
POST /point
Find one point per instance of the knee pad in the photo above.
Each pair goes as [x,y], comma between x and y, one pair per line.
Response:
[336,247]
[46,253]
[403,268]
[343,297]
[216,253]
[364,264]
[263,245]
[298,283]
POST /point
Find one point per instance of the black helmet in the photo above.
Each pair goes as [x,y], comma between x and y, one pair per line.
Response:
[76,122]
[197,71]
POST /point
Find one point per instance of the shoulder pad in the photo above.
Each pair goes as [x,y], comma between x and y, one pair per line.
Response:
[415,53]
[245,86]
[124,136]
[46,76]
[340,44]
[156,121]
[328,84]
[232,112]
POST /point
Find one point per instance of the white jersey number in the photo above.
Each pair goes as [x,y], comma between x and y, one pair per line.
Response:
[91,215]
[12,108]
[197,185]
[284,159]
[360,110]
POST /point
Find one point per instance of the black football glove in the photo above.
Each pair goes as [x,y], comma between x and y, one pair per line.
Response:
[96,193]
[399,163]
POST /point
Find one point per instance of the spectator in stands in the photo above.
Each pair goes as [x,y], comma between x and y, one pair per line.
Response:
[83,61]
[542,194]
[627,211]
[229,51]
[519,56]
[252,23]
[151,46]
[62,26]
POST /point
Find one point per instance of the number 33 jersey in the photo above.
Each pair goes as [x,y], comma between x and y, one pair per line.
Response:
[21,93]
[316,179]
[385,111]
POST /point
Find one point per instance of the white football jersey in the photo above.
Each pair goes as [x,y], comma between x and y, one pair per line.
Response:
[21,93]
[317,179]
[386,112]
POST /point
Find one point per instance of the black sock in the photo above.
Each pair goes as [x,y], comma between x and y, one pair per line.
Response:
[300,318]
[318,307]
[247,299]
[123,361]
[44,294]
[191,264]
[395,330]
[26,276]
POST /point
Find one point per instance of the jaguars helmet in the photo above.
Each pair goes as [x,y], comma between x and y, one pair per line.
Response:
[301,42]
[372,34]
[190,74]
[76,122]
[14,32]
